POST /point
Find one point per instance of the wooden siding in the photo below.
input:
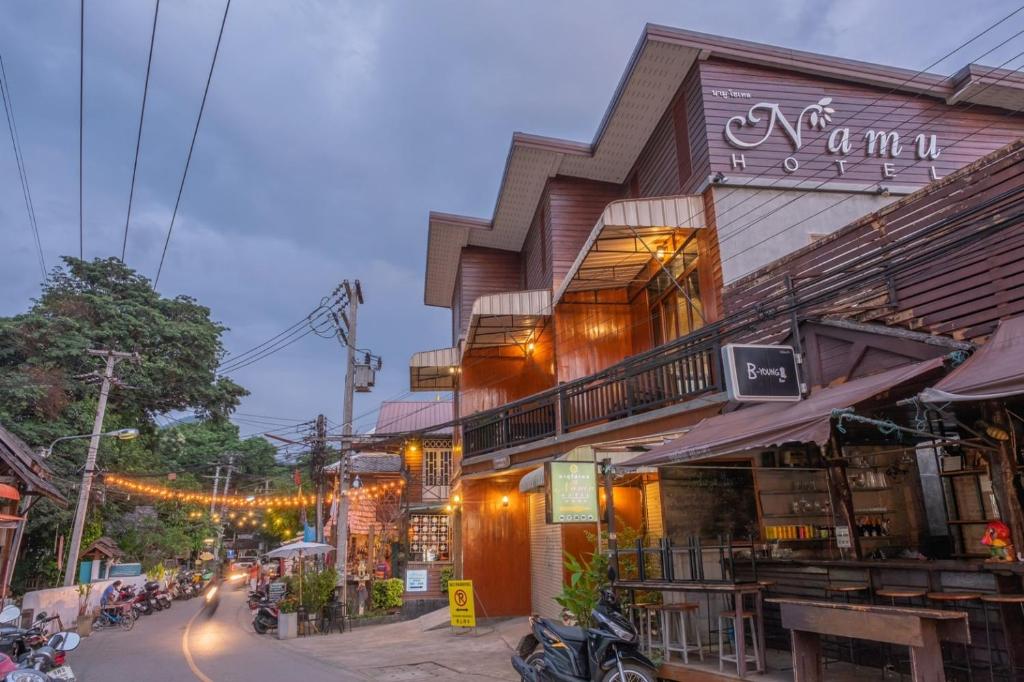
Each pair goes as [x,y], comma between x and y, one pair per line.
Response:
[413,460]
[594,335]
[949,260]
[657,167]
[497,543]
[490,379]
[965,133]
[573,208]
[536,250]
[481,271]
[696,133]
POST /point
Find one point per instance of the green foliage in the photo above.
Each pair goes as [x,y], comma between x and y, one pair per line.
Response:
[446,575]
[288,605]
[586,578]
[387,594]
[317,588]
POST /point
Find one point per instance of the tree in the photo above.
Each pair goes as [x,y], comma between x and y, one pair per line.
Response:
[44,393]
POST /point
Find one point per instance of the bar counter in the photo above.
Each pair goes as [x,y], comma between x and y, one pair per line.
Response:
[950,565]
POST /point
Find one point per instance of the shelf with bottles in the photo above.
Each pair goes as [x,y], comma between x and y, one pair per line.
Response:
[802,531]
[799,515]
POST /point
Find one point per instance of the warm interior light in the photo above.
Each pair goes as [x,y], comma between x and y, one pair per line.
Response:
[457,499]
[448,508]
[660,253]
[504,500]
[530,348]
[451,370]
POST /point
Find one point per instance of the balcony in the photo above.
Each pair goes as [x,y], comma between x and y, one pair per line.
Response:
[670,374]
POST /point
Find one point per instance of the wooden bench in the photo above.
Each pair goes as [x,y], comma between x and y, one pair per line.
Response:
[920,629]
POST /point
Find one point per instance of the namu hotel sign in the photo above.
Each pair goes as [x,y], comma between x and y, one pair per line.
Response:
[766,121]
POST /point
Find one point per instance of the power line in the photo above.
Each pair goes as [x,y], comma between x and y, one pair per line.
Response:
[138,139]
[191,147]
[316,315]
[292,338]
[81,125]
[19,158]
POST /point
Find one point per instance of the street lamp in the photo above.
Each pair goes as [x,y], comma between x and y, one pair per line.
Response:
[120,434]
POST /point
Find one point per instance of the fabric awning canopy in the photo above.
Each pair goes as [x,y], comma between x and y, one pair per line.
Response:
[995,371]
[510,319]
[625,238]
[772,424]
[433,370]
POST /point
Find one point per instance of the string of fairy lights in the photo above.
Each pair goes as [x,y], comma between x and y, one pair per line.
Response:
[370,492]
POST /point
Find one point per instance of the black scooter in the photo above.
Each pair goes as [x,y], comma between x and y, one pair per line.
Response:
[607,652]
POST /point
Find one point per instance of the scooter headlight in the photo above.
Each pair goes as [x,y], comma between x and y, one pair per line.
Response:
[621,630]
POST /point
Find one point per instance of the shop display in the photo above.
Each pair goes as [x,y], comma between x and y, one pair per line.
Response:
[429,537]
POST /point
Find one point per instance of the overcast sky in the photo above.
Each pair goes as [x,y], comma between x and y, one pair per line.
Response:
[332,128]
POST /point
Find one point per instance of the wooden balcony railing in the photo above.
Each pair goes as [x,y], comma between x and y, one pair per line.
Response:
[667,375]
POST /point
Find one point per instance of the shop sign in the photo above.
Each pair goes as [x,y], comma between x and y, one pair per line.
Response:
[460,604]
[416,580]
[760,373]
[767,120]
[571,492]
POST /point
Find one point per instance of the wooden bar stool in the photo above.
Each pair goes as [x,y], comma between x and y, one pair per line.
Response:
[648,614]
[905,595]
[685,614]
[957,601]
[1011,671]
[730,617]
[846,591]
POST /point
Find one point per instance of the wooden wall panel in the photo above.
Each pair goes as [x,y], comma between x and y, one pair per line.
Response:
[488,381]
[497,546]
[592,336]
[657,167]
[573,208]
[413,460]
[965,133]
[481,272]
[536,250]
[961,291]
[696,133]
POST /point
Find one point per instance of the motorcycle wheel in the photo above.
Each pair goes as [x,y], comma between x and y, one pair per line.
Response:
[259,626]
[167,603]
[534,659]
[126,622]
[634,673]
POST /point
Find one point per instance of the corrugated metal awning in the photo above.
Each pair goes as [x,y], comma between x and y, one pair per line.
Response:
[768,425]
[992,373]
[433,370]
[510,319]
[627,237]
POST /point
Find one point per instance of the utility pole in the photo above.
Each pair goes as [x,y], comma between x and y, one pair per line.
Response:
[355,298]
[216,485]
[316,462]
[112,358]
[224,505]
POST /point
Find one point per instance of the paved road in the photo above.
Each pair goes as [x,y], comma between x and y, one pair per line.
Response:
[184,645]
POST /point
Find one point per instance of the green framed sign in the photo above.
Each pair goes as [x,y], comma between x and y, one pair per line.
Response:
[571,492]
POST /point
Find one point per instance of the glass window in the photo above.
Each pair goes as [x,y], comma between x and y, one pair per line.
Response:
[673,313]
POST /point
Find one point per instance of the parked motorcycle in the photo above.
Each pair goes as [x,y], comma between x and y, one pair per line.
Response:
[150,589]
[139,601]
[44,664]
[265,619]
[607,652]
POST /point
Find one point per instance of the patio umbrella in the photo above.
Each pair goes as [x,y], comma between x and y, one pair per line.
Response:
[299,549]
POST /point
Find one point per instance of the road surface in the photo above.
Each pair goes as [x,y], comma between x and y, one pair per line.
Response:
[184,645]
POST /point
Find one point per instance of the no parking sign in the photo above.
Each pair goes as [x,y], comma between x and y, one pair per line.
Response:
[460,603]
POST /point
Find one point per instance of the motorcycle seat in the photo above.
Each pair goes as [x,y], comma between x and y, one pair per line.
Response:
[566,632]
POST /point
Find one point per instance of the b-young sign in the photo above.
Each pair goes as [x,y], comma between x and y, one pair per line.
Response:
[766,120]
[759,373]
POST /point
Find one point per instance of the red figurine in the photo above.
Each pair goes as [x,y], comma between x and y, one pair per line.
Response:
[997,539]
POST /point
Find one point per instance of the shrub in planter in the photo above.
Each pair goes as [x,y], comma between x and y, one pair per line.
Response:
[446,575]
[387,594]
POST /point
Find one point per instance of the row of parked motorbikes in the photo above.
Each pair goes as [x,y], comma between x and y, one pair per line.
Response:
[132,602]
[33,654]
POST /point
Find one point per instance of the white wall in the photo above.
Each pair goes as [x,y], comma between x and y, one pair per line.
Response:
[750,238]
[64,600]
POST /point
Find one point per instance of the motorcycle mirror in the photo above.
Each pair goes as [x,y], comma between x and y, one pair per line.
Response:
[9,614]
[70,641]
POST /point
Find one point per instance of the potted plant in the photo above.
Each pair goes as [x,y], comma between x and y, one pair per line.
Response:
[84,623]
[287,618]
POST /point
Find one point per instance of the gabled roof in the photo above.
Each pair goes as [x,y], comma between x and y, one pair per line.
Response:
[661,60]
[105,546]
[406,416]
[28,467]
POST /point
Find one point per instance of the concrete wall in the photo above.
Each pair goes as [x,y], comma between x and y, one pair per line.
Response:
[758,226]
[64,600]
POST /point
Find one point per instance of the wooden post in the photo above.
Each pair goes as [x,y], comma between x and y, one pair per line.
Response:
[609,508]
[926,660]
[843,495]
[1003,468]
[807,661]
